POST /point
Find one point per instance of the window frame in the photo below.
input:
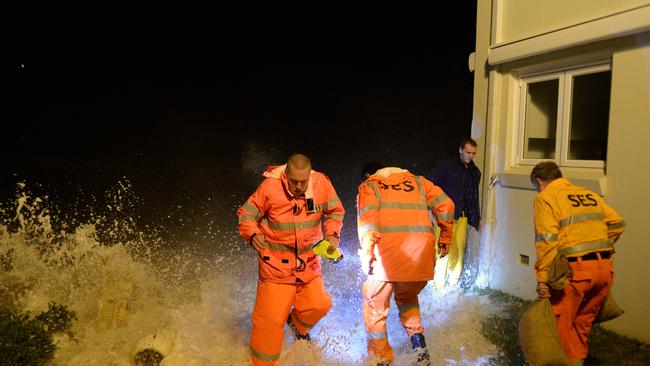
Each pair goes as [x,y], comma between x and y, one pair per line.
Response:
[565,77]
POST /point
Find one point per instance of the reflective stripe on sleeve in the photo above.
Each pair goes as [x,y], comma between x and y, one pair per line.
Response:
[334,216]
[616,225]
[545,237]
[245,218]
[332,201]
[252,209]
[436,201]
[444,216]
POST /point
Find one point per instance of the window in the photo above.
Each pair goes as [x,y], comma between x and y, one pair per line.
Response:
[564,116]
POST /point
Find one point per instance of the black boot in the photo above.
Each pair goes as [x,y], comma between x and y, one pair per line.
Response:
[419,346]
[296,333]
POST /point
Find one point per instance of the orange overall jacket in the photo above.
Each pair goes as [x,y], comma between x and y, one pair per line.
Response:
[394,205]
[290,225]
[572,221]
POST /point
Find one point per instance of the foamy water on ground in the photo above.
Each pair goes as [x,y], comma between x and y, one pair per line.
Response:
[194,305]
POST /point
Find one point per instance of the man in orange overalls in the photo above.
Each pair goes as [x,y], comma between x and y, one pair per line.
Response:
[574,222]
[281,221]
[397,250]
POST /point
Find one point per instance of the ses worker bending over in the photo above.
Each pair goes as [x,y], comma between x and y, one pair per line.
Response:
[574,223]
[283,221]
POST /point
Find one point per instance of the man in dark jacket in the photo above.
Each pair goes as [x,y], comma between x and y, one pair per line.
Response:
[459,178]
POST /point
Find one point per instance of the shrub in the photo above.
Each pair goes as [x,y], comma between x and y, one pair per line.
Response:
[26,341]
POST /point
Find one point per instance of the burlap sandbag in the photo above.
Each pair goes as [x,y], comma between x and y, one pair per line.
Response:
[538,336]
[609,310]
[559,273]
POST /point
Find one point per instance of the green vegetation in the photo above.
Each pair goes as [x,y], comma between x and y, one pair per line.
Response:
[605,347]
[501,329]
[26,341]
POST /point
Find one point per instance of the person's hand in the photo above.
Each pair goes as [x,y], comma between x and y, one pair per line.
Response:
[444,249]
[258,242]
[368,242]
[543,290]
[334,244]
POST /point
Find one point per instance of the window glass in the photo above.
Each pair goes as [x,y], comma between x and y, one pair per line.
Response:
[589,116]
[541,119]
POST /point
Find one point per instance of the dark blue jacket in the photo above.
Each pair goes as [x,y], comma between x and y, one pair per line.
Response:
[460,183]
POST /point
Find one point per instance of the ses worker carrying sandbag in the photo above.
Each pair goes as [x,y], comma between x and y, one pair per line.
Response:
[575,232]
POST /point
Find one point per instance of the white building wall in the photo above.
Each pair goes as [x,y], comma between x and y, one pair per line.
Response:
[524,18]
[507,206]
[628,182]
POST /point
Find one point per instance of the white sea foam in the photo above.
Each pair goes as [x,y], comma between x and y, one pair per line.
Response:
[196,307]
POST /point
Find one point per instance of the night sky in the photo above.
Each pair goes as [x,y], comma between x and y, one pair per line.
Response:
[191,101]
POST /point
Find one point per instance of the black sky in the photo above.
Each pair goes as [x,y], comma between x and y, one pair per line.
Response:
[181,97]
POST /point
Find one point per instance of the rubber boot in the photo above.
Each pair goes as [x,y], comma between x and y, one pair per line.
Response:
[419,346]
[296,333]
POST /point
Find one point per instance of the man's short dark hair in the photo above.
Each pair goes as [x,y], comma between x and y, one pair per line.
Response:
[370,169]
[546,171]
[467,141]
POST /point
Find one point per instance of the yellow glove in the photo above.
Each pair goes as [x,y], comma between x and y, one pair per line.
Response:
[322,248]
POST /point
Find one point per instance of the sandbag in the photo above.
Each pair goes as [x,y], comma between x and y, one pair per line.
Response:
[539,338]
[559,273]
[608,310]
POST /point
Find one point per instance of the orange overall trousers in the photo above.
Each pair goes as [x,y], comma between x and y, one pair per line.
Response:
[273,304]
[376,304]
[578,304]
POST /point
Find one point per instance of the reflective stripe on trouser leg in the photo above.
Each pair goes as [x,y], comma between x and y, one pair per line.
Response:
[406,299]
[376,304]
[577,305]
[272,306]
[312,303]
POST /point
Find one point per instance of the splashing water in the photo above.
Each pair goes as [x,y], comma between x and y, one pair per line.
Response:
[131,290]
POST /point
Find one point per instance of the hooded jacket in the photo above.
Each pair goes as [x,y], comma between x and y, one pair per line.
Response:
[395,204]
[290,225]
